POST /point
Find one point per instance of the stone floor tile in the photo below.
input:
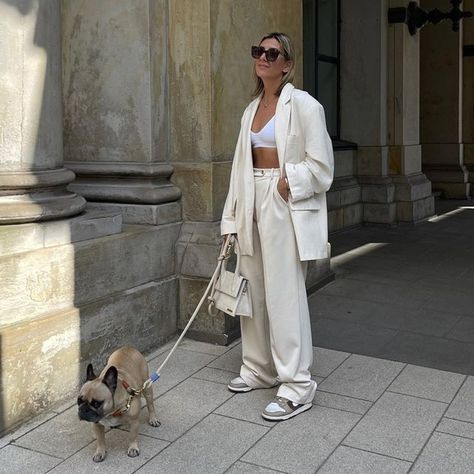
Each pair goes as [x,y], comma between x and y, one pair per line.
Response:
[446,454]
[248,406]
[184,406]
[301,444]
[451,301]
[64,406]
[231,360]
[26,427]
[397,426]
[116,460]
[355,461]
[463,330]
[462,407]
[351,337]
[160,350]
[61,436]
[420,320]
[14,459]
[212,446]
[435,352]
[180,366]
[206,348]
[339,402]
[456,427]
[215,375]
[325,361]
[246,468]
[362,377]
[405,296]
[427,383]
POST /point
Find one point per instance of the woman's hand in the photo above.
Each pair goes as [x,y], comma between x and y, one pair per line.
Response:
[283,188]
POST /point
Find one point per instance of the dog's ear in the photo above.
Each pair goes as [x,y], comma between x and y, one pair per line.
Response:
[110,379]
[90,373]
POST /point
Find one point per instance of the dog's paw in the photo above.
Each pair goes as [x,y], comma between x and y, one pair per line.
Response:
[133,452]
[154,422]
[99,457]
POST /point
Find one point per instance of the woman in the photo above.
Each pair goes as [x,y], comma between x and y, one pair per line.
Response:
[276,205]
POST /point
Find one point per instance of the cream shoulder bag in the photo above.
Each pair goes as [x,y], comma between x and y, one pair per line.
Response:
[230,292]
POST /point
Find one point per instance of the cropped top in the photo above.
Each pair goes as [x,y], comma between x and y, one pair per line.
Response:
[265,137]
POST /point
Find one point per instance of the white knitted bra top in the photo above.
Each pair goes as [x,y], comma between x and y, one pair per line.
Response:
[265,138]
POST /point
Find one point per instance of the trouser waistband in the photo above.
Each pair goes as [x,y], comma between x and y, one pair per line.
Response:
[267,172]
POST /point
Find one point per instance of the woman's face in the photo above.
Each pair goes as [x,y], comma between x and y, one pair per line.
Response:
[271,70]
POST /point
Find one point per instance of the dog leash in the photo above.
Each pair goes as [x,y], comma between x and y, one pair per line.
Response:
[225,254]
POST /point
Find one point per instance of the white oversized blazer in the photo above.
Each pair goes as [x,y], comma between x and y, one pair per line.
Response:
[306,158]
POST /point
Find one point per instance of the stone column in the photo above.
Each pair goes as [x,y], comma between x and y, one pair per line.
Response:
[32,177]
[210,85]
[468,94]
[115,57]
[380,112]
[364,103]
[442,105]
[412,189]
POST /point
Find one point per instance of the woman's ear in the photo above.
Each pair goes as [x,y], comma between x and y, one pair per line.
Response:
[288,66]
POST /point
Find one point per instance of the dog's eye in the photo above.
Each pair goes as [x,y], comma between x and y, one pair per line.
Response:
[80,400]
[96,403]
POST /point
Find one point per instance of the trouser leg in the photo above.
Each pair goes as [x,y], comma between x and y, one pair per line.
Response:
[257,368]
[285,295]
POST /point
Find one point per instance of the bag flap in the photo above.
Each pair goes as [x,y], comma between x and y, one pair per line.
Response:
[229,283]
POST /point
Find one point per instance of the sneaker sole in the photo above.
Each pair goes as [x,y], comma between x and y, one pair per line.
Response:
[239,389]
[301,409]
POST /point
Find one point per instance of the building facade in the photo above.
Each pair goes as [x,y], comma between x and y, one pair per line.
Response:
[117,126]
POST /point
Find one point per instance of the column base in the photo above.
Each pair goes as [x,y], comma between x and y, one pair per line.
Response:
[344,206]
[31,196]
[142,214]
[134,183]
[415,201]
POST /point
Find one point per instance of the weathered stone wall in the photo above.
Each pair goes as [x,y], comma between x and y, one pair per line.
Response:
[211,83]
[73,290]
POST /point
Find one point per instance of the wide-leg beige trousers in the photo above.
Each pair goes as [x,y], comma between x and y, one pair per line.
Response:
[276,342]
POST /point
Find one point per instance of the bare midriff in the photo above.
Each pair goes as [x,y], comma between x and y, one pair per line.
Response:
[265,157]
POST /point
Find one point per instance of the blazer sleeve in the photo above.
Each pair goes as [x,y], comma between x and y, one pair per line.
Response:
[228,214]
[314,174]
[228,225]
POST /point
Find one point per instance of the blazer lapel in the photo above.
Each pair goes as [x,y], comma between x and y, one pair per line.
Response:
[282,121]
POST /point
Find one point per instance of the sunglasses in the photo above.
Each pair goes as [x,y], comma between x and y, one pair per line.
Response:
[271,54]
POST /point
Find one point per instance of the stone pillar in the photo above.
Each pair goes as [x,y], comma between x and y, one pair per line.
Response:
[32,177]
[442,105]
[412,189]
[364,32]
[468,94]
[210,85]
[380,112]
[115,57]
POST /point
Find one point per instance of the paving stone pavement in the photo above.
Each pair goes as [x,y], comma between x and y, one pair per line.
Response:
[403,294]
[394,367]
[370,415]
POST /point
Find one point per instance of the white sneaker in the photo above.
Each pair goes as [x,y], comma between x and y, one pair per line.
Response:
[238,385]
[282,409]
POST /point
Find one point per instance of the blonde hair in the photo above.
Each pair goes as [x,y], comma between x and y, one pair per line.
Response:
[289,54]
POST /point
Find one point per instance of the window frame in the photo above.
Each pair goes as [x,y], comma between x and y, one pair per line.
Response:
[311,55]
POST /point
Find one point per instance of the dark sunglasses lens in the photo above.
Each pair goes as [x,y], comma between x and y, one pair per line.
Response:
[257,51]
[272,54]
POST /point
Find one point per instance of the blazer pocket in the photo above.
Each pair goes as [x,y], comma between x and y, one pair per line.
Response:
[308,204]
[293,148]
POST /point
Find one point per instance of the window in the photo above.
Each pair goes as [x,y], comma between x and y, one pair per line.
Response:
[321,56]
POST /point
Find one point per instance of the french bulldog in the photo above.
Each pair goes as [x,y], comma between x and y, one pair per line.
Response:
[105,401]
